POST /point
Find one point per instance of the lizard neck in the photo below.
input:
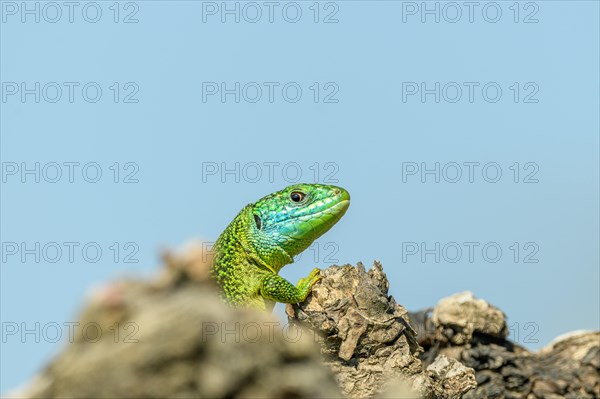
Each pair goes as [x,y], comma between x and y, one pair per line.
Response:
[243,243]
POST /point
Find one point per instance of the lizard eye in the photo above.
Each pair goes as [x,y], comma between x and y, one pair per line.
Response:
[297,196]
[257,221]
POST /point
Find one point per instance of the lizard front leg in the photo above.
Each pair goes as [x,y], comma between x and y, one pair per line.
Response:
[278,289]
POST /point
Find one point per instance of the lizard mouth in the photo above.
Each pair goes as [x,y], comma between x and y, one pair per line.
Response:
[337,205]
[334,211]
[337,209]
[334,206]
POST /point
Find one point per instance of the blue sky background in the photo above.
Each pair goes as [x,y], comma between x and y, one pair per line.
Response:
[365,140]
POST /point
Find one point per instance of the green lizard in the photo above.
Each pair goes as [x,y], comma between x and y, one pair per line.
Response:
[266,235]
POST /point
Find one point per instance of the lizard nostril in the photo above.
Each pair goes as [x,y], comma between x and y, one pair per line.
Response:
[336,191]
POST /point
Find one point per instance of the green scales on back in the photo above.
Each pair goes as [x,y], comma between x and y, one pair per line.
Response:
[266,235]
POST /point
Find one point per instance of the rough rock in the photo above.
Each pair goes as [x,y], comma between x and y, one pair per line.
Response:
[367,341]
[176,339]
[475,333]
[170,336]
[466,315]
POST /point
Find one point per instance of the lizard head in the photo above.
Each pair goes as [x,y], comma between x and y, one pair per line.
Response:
[288,221]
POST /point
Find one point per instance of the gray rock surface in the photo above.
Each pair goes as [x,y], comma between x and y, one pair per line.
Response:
[178,340]
[475,333]
[366,338]
[170,336]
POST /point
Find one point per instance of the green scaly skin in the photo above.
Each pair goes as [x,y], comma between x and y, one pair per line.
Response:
[266,235]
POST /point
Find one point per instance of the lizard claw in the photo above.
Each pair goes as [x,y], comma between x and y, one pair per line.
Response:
[307,282]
